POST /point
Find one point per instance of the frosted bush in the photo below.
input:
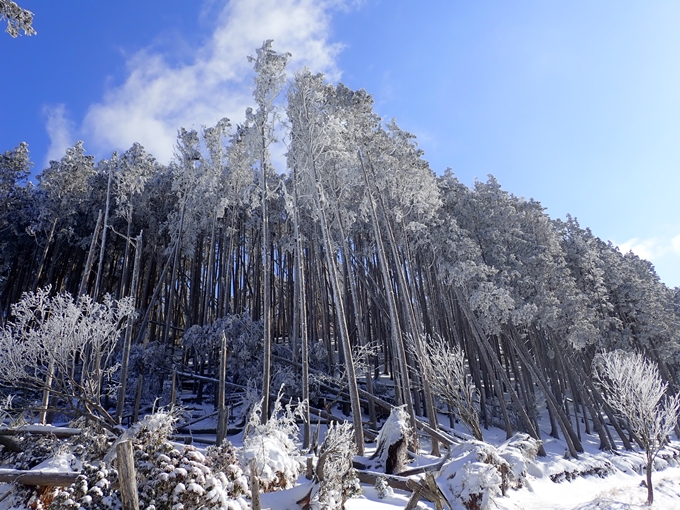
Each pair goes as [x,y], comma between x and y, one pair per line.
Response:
[382,488]
[334,470]
[53,339]
[270,447]
[92,490]
[481,472]
[185,478]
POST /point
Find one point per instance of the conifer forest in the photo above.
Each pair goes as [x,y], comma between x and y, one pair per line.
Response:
[307,267]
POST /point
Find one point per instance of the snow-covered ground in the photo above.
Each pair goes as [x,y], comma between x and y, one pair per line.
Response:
[595,481]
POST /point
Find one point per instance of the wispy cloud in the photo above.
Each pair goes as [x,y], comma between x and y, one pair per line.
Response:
[60,131]
[663,252]
[648,249]
[675,243]
[157,98]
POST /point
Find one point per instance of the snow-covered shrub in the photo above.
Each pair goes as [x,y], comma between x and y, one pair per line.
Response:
[91,490]
[479,472]
[35,449]
[176,479]
[337,477]
[382,488]
[92,443]
[270,447]
[391,453]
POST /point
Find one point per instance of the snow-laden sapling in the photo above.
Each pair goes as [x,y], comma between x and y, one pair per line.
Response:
[334,469]
[382,488]
[634,388]
[444,366]
[270,447]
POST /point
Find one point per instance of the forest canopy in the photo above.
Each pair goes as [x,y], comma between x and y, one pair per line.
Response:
[355,260]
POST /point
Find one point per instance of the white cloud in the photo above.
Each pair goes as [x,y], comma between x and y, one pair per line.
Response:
[157,99]
[60,131]
[663,252]
[675,243]
[646,248]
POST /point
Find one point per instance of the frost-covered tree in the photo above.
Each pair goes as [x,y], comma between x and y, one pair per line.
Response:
[42,347]
[269,80]
[634,388]
[15,166]
[446,370]
[63,191]
[17,18]
[310,149]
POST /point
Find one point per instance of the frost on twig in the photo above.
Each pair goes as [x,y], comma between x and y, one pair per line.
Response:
[337,478]
[633,387]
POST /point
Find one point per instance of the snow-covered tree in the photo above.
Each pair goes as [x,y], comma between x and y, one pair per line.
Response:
[17,18]
[270,77]
[446,370]
[634,388]
[40,349]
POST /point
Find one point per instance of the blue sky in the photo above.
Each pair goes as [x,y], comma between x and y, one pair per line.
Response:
[575,104]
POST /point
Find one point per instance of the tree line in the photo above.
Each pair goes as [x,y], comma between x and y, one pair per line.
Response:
[357,258]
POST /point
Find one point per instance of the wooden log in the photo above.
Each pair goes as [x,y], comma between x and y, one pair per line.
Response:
[126,476]
[11,445]
[58,432]
[394,481]
[38,477]
[254,487]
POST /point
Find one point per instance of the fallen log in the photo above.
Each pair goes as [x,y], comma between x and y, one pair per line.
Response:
[394,481]
[426,489]
[38,477]
[59,432]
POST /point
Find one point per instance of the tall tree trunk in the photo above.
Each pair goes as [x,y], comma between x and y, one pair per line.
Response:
[90,256]
[120,405]
[102,247]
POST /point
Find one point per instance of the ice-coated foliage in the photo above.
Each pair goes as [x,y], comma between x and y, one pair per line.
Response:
[50,336]
[446,370]
[334,469]
[17,18]
[270,449]
[634,388]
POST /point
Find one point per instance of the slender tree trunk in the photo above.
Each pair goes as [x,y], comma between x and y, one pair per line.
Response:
[48,243]
[102,247]
[90,256]
[120,405]
[266,285]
